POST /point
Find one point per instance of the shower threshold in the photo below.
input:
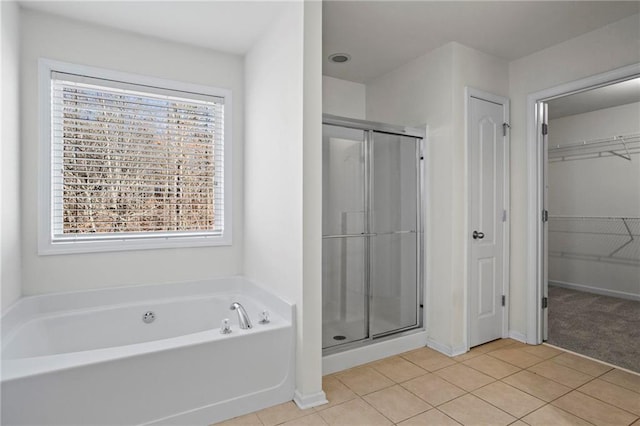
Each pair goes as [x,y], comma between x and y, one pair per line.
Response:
[338,336]
[348,355]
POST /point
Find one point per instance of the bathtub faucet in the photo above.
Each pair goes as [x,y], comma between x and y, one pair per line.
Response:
[243,318]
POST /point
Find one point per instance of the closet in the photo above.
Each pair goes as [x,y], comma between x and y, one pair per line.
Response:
[593,252]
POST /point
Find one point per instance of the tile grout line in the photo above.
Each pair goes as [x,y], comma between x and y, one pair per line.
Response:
[442,403]
[408,360]
[590,359]
[377,411]
[528,393]
[524,368]
[420,375]
[574,415]
[465,394]
[356,393]
[576,390]
[495,406]
[471,392]
[608,364]
[613,383]
[553,380]
[440,411]
[605,402]
[498,379]
[407,390]
[592,378]
[561,409]
[430,409]
[517,418]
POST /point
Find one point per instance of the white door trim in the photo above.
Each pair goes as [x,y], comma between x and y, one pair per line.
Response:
[469,93]
[535,190]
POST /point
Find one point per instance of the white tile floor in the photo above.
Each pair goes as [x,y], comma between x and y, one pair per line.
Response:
[503,382]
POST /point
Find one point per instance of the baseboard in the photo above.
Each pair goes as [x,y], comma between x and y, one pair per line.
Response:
[596,290]
[308,401]
[446,349]
[516,335]
[462,349]
[459,350]
[373,352]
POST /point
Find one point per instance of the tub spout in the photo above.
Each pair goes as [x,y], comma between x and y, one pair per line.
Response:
[243,318]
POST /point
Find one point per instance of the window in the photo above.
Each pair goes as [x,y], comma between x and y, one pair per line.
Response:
[131,162]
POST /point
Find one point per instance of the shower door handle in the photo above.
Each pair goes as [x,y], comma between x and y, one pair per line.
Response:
[396,232]
[478,235]
[350,235]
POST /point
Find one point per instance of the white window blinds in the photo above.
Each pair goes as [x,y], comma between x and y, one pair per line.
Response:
[133,161]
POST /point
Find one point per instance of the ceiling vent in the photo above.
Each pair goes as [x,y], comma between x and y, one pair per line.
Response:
[339,58]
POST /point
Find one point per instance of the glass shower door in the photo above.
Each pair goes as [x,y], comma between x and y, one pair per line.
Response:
[395,226]
[344,244]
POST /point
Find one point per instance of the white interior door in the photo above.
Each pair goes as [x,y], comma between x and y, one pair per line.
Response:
[487,168]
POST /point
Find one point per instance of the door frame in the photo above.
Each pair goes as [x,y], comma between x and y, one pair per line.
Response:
[470,92]
[536,256]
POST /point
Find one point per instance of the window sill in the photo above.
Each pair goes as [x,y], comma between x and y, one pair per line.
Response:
[79,247]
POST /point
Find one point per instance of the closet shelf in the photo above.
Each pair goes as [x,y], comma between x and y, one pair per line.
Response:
[614,239]
[622,146]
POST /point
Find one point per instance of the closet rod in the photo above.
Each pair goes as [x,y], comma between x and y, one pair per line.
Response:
[593,142]
[622,146]
[591,217]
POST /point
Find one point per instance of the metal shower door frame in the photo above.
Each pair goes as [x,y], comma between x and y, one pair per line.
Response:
[370,128]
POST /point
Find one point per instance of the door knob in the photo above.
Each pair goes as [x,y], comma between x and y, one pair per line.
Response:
[478,235]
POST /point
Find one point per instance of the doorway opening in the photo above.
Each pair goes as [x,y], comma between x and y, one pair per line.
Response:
[587,221]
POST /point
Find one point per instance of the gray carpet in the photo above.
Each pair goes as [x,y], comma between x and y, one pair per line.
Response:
[604,328]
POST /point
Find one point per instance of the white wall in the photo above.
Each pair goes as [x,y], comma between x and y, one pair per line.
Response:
[282,182]
[427,100]
[66,40]
[488,73]
[273,154]
[436,97]
[10,241]
[343,98]
[598,51]
[607,186]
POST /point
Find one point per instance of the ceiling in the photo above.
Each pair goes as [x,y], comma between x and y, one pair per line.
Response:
[227,26]
[382,35]
[617,94]
[379,35]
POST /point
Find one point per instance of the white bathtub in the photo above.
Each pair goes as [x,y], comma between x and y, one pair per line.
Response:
[88,358]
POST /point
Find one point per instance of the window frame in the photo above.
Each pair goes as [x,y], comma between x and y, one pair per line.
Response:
[46,243]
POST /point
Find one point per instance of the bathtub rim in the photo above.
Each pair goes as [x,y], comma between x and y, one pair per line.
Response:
[46,303]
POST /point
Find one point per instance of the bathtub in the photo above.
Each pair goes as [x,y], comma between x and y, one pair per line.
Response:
[88,357]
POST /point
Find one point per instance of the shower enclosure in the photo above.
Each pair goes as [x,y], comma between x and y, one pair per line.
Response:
[372,231]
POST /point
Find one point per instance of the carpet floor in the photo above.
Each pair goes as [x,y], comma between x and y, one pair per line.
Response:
[602,327]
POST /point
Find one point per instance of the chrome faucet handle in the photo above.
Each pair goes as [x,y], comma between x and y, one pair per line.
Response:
[225,327]
[264,317]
